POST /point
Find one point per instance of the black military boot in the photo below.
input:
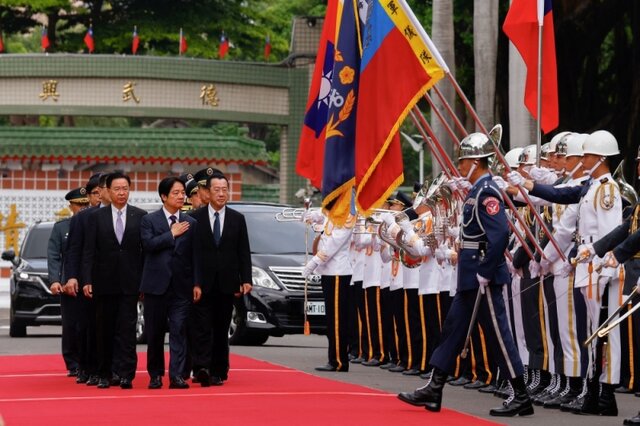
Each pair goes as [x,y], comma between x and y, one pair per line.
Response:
[430,395]
[572,389]
[590,402]
[518,404]
[607,404]
[579,385]
[635,420]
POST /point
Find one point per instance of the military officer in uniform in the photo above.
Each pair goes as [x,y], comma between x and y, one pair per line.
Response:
[69,306]
[481,268]
[201,177]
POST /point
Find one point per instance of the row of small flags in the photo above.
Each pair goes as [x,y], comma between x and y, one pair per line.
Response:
[223,48]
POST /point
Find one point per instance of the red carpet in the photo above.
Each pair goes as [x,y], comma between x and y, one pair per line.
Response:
[35,390]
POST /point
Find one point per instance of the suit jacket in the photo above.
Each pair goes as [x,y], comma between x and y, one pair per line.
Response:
[56,251]
[227,266]
[112,267]
[168,260]
[75,244]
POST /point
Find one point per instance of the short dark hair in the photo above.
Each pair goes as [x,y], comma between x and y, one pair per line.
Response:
[216,176]
[117,175]
[102,179]
[165,185]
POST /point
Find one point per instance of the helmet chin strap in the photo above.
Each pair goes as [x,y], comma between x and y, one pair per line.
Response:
[595,166]
[471,170]
[574,170]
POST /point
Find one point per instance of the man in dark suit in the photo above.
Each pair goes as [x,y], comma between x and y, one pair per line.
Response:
[169,282]
[112,267]
[225,259]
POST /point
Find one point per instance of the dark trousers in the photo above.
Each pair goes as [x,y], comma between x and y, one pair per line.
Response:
[86,329]
[629,329]
[70,311]
[212,316]
[388,332]
[431,312]
[493,319]
[374,324]
[157,310]
[358,339]
[416,333]
[336,300]
[116,317]
[399,324]
[533,323]
[554,330]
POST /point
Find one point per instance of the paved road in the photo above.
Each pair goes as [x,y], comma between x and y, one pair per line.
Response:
[305,352]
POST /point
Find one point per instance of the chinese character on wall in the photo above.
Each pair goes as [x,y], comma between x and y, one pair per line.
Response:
[49,90]
[209,95]
[10,226]
[128,93]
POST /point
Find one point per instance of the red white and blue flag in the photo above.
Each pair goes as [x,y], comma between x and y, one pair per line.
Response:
[224,46]
[182,44]
[88,39]
[524,19]
[1,43]
[309,162]
[267,47]
[135,41]
[44,39]
[399,64]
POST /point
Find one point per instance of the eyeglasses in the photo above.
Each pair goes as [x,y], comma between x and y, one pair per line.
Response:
[95,192]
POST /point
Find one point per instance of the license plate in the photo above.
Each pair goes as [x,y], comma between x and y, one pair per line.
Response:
[315,308]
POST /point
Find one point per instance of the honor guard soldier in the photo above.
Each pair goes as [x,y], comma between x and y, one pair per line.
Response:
[69,305]
[193,194]
[332,263]
[481,269]
[201,177]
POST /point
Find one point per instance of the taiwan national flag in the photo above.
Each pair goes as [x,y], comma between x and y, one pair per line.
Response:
[44,39]
[224,46]
[1,44]
[310,157]
[182,47]
[523,21]
[88,40]
[267,48]
[135,41]
[399,64]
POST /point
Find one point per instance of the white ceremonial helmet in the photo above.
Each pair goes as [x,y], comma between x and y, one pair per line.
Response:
[574,144]
[512,157]
[529,156]
[475,145]
[554,141]
[601,143]
[545,150]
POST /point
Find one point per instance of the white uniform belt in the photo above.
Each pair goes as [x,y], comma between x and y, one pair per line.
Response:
[473,245]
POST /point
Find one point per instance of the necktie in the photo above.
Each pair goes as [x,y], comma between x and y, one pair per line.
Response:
[216,229]
[173,220]
[119,227]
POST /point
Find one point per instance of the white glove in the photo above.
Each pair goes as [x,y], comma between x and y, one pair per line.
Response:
[388,218]
[567,268]
[440,254]
[309,268]
[545,266]
[484,282]
[407,227]
[542,175]
[500,182]
[515,178]
[459,184]
[451,255]
[453,231]
[313,216]
[610,261]
[586,253]
[534,269]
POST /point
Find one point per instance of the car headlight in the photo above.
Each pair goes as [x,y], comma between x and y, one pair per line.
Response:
[33,279]
[260,278]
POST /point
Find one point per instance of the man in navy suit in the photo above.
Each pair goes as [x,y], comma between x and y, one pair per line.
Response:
[169,282]
[111,271]
[225,258]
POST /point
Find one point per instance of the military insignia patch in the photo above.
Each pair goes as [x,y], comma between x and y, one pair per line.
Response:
[492,205]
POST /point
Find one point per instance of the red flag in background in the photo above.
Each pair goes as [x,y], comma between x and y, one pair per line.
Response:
[1,44]
[182,48]
[224,46]
[44,39]
[135,42]
[310,158]
[88,39]
[521,26]
[399,64]
[267,48]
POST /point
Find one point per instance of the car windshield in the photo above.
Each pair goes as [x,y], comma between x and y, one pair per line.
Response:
[35,245]
[266,235]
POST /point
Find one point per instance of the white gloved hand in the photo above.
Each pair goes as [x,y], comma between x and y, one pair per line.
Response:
[440,254]
[453,231]
[542,175]
[407,227]
[388,218]
[313,216]
[586,253]
[309,268]
[451,255]
[567,269]
[502,184]
[534,269]
[484,282]
[515,178]
[459,184]
[610,260]
[545,267]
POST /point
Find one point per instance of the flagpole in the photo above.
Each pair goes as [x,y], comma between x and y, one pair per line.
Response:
[540,5]
[180,43]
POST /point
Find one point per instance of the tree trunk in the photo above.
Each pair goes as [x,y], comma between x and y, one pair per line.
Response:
[485,55]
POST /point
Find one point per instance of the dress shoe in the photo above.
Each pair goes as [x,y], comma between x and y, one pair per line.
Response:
[635,420]
[216,381]
[372,363]
[504,390]
[388,365]
[623,389]
[178,383]
[358,360]
[411,372]
[103,384]
[460,381]
[326,367]
[490,388]
[203,377]
[430,395]
[607,403]
[82,377]
[426,375]
[72,372]
[398,368]
[126,384]
[351,357]
[518,404]
[475,385]
[93,380]
[115,379]
[155,382]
